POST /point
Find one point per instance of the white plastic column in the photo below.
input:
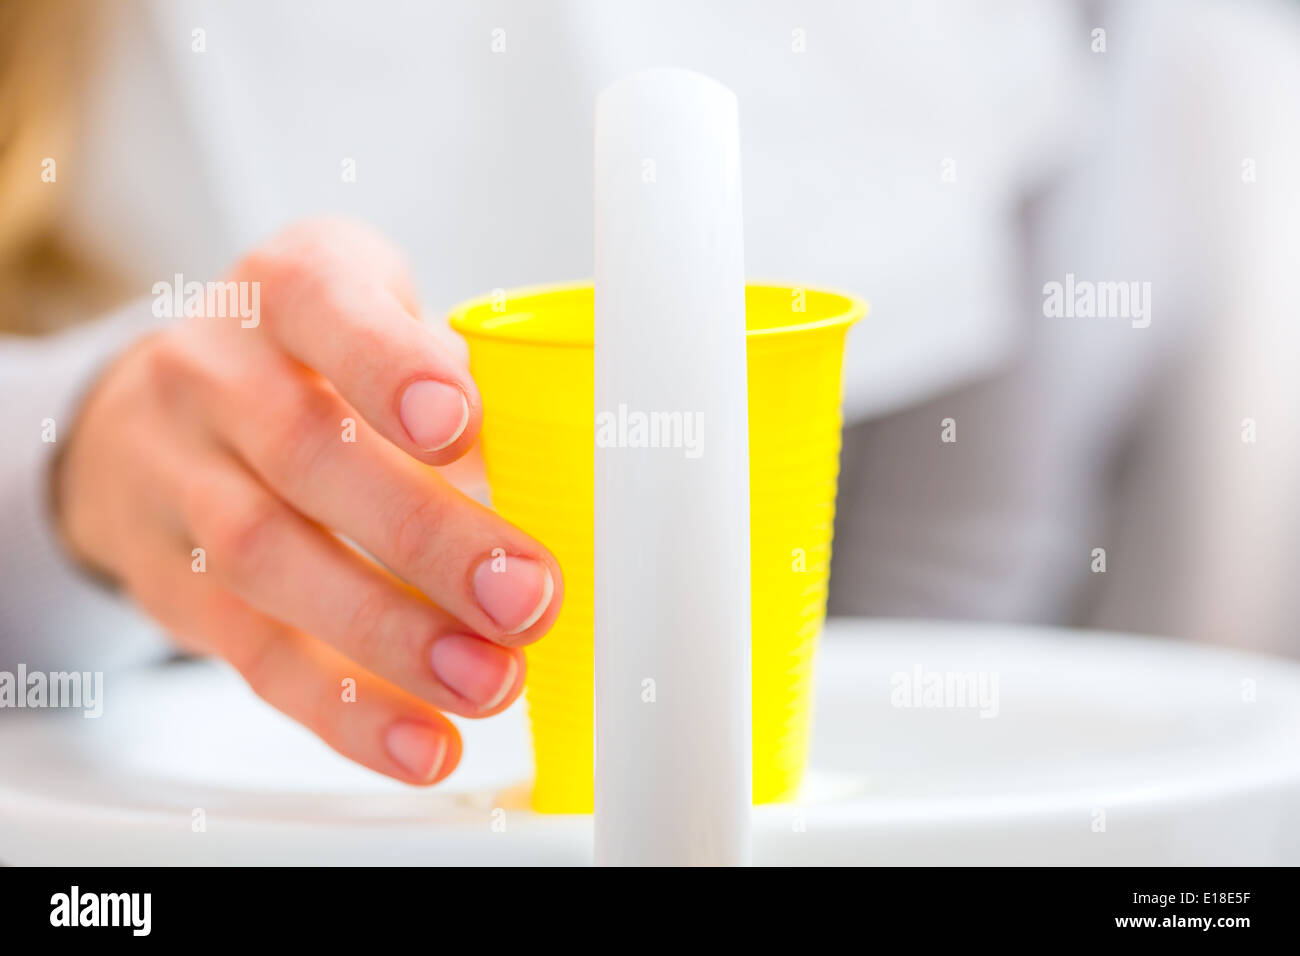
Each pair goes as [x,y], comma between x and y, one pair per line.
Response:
[672,629]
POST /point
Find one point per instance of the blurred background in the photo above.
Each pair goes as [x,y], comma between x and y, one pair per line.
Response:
[948,161]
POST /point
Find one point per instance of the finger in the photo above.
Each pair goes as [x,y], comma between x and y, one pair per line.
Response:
[359,715]
[488,574]
[331,309]
[267,554]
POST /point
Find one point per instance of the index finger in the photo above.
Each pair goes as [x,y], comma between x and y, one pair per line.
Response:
[333,299]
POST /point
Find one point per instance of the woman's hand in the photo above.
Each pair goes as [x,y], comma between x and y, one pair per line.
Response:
[260,446]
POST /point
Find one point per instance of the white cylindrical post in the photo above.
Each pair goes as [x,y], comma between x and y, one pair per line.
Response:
[672,628]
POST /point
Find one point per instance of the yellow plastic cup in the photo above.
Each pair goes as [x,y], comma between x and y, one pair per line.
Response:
[531,355]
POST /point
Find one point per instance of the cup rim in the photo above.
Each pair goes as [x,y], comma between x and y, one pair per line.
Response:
[462,320]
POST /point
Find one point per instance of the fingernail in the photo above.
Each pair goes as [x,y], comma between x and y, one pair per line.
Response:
[480,672]
[434,414]
[417,747]
[514,592]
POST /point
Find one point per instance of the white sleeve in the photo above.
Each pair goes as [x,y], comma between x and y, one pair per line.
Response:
[53,615]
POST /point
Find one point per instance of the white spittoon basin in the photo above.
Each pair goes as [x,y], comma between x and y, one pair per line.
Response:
[1096,749]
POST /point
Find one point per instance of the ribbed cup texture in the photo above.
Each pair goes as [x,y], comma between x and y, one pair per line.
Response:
[538,448]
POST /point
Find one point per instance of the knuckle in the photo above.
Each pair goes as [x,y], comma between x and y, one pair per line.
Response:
[337,236]
[168,367]
[289,270]
[319,709]
[198,497]
[369,359]
[368,625]
[253,658]
[327,229]
[238,536]
[367,345]
[298,436]
[417,525]
[161,358]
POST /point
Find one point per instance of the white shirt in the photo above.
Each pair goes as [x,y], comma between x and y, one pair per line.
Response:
[907,152]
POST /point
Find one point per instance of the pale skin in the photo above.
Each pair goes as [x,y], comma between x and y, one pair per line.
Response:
[233,440]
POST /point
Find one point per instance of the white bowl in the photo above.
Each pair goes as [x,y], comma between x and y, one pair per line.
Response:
[1103,749]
